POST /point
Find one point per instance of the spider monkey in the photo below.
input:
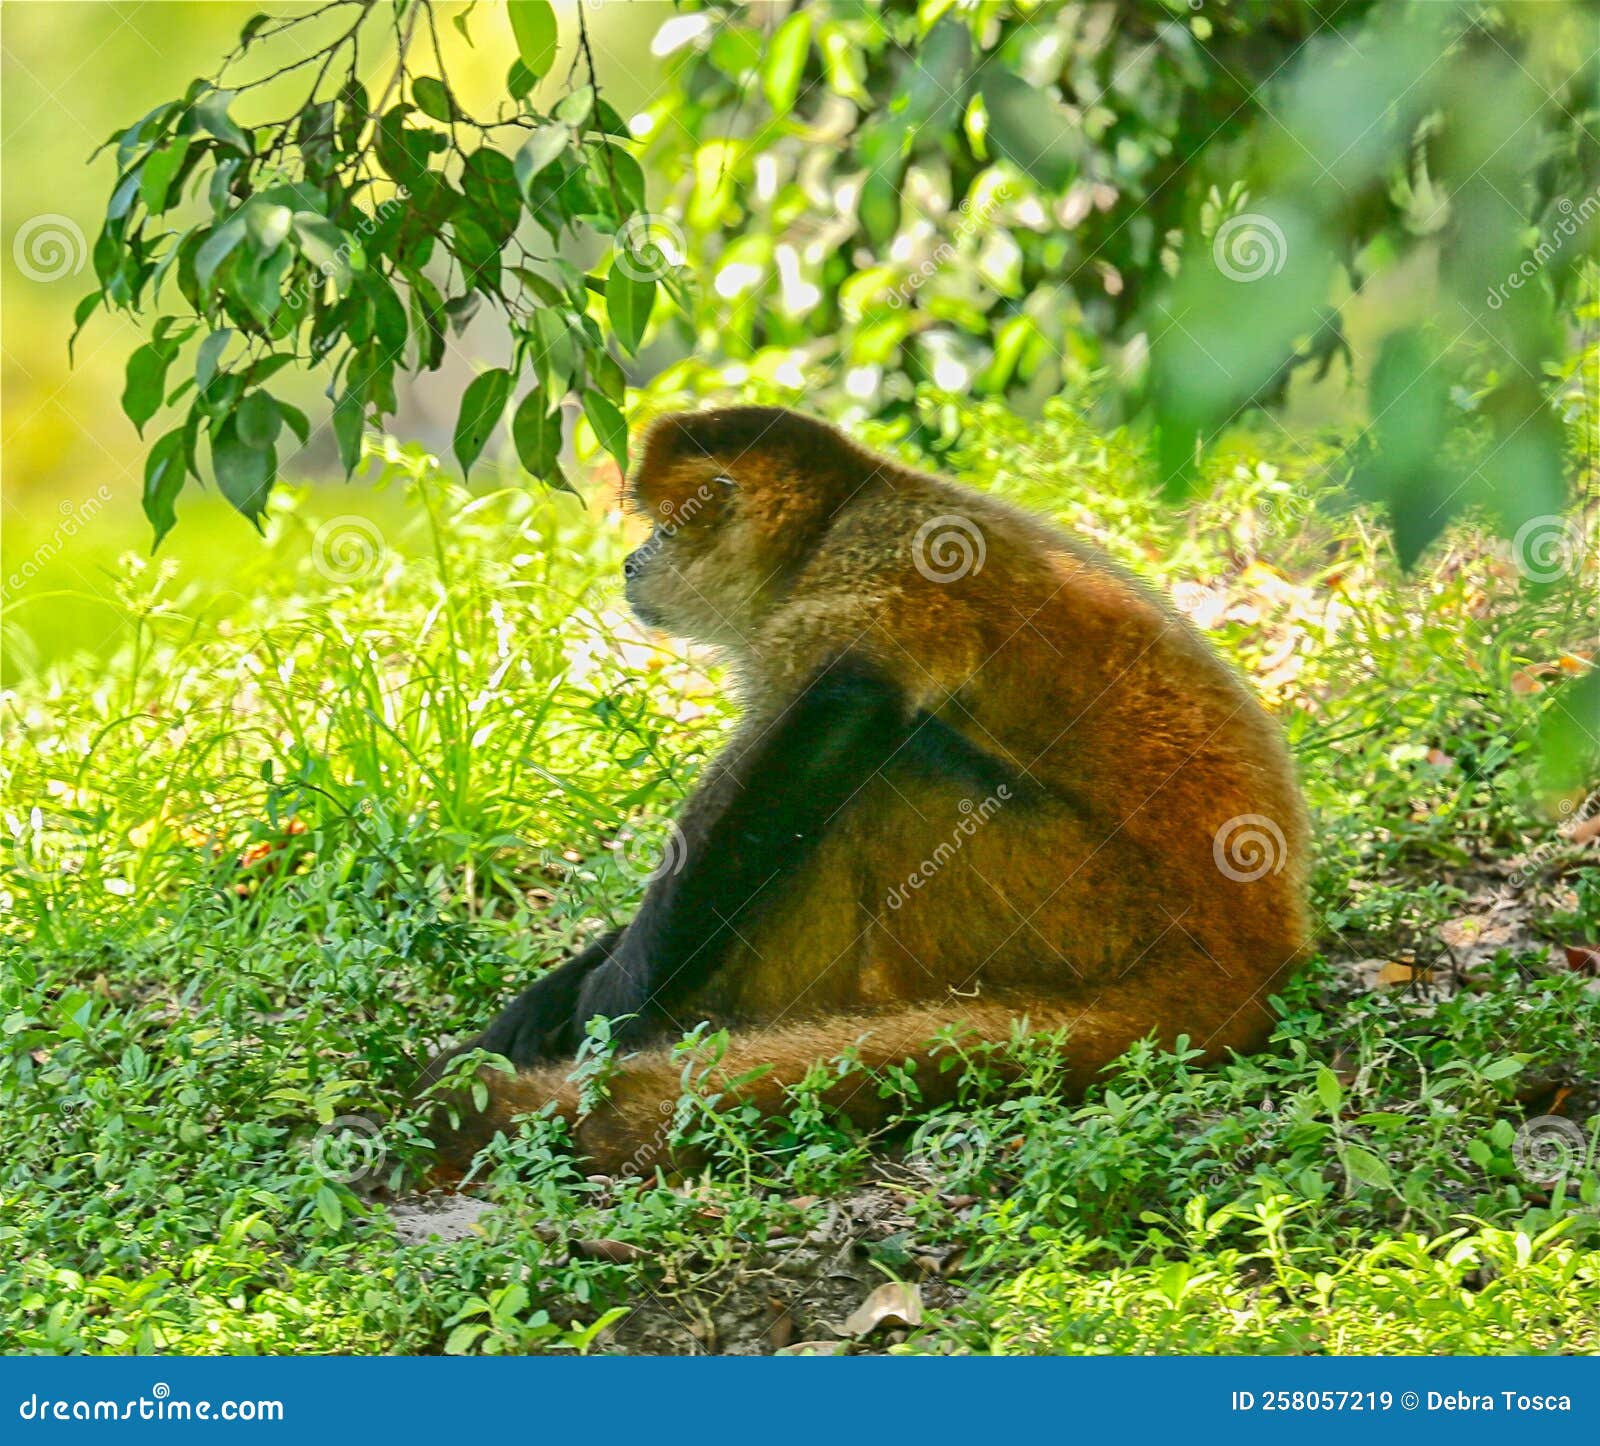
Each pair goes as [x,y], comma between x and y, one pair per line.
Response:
[983,777]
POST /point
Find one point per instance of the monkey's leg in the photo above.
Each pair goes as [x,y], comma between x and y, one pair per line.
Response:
[629,1130]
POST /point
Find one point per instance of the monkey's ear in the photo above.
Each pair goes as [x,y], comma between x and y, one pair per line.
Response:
[723,480]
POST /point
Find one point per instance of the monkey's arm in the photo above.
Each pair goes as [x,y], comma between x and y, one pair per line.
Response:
[541,1022]
[749,830]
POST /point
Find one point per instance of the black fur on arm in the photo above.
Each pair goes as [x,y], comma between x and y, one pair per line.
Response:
[758,822]
[746,833]
[541,1023]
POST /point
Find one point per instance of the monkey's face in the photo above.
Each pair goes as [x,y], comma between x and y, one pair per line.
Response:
[736,497]
[688,575]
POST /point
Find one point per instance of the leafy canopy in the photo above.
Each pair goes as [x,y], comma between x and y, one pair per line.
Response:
[355,236]
[1177,203]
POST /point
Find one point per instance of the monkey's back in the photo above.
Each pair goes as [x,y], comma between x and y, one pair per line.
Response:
[1154,835]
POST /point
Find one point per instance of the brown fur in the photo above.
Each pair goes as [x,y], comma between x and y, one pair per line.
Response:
[1097,907]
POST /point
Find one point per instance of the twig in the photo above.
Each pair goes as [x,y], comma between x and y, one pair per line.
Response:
[402,44]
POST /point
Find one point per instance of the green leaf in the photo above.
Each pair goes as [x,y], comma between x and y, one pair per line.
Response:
[122,198]
[1567,732]
[461,309]
[208,355]
[554,353]
[541,148]
[1366,1167]
[388,314]
[156,175]
[623,175]
[482,404]
[489,182]
[326,247]
[211,113]
[576,106]
[215,248]
[268,225]
[299,424]
[427,313]
[533,22]
[258,282]
[1029,129]
[520,81]
[608,376]
[736,49]
[146,382]
[536,434]
[628,303]
[433,98]
[244,473]
[786,62]
[329,1206]
[349,416]
[461,1339]
[85,310]
[1328,1089]
[258,420]
[1503,1068]
[477,251]
[1406,465]
[609,426]
[164,476]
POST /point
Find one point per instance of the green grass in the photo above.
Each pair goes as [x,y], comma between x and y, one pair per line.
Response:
[288,840]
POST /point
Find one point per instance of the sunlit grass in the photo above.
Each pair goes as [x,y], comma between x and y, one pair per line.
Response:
[286,838]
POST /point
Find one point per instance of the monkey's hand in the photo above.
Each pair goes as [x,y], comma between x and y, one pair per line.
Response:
[542,1023]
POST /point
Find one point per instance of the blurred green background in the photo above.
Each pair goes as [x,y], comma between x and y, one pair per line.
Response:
[73,73]
[1027,201]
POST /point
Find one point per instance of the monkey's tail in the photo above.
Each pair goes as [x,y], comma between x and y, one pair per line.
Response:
[629,1130]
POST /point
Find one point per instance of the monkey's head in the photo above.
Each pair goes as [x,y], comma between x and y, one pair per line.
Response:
[737,498]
